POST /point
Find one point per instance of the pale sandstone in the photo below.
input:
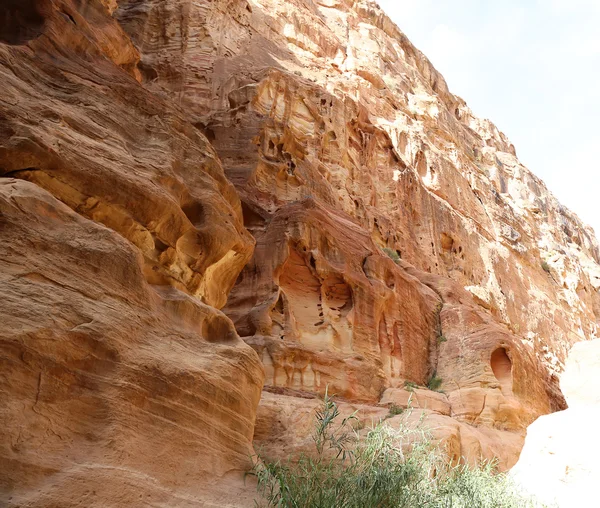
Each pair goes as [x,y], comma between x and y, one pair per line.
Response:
[559,462]
[579,381]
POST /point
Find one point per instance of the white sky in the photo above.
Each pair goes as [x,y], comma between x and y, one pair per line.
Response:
[533,68]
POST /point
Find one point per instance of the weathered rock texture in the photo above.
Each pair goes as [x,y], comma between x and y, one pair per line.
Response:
[122,384]
[166,160]
[342,139]
[559,463]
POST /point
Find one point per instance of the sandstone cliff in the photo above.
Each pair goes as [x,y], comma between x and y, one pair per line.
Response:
[122,383]
[179,174]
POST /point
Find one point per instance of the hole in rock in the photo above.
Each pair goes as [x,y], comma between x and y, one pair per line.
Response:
[159,245]
[447,242]
[252,219]
[22,20]
[291,168]
[15,172]
[502,366]
[194,211]
[338,295]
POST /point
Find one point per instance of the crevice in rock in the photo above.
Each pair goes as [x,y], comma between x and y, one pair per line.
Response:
[15,172]
[438,340]
[218,329]
[69,17]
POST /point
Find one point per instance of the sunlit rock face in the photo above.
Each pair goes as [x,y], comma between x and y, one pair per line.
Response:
[122,384]
[559,463]
[342,139]
[180,175]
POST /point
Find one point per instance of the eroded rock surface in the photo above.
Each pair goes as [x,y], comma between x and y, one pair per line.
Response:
[342,139]
[114,392]
[122,384]
[298,165]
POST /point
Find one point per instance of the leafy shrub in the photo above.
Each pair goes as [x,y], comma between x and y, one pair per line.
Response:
[434,382]
[384,468]
[392,254]
[395,410]
[545,266]
[441,339]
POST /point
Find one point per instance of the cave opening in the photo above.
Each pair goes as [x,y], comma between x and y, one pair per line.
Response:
[502,367]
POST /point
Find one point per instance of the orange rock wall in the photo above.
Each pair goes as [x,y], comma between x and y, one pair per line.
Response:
[342,139]
[179,174]
[122,384]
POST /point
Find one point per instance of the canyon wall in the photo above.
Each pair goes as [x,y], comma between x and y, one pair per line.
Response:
[122,383]
[180,175]
[343,141]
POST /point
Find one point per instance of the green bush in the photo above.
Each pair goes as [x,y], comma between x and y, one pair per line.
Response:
[434,382]
[545,267]
[383,467]
[393,255]
[441,339]
[395,410]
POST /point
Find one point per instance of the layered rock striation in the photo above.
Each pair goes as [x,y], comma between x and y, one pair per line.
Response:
[122,382]
[179,174]
[342,141]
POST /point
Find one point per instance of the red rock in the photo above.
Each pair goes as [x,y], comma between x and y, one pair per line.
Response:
[122,384]
[170,159]
[115,392]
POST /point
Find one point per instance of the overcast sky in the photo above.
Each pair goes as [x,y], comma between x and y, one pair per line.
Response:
[533,68]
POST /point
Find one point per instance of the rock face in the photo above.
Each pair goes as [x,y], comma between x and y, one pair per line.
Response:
[122,384]
[559,463]
[179,174]
[343,140]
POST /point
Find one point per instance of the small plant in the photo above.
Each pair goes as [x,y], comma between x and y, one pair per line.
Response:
[326,436]
[441,339]
[395,410]
[545,266]
[358,425]
[434,383]
[392,254]
[385,467]
[410,386]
